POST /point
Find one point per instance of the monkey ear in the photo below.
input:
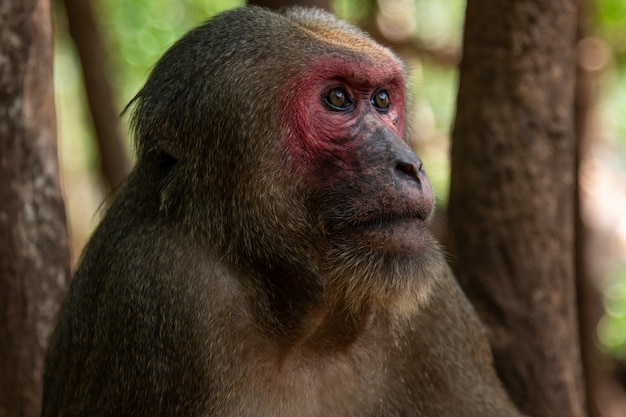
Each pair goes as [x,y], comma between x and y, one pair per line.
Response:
[169,139]
[157,128]
[162,135]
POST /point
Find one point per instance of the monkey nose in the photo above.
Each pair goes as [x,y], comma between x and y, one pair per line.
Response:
[411,169]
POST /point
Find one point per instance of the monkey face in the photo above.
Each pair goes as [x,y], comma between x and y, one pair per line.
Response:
[364,182]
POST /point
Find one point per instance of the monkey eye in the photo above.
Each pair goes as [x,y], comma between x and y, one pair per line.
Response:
[337,99]
[380,100]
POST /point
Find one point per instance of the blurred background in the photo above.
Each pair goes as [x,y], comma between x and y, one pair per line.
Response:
[427,34]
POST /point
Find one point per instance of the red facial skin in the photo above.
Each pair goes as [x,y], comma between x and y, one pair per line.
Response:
[364,182]
[315,126]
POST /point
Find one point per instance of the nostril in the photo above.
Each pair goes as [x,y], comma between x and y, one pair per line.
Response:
[410,169]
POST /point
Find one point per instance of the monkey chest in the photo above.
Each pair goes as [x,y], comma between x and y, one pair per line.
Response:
[343,385]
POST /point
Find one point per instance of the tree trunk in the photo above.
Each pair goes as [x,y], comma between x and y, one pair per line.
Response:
[512,196]
[34,251]
[589,299]
[114,160]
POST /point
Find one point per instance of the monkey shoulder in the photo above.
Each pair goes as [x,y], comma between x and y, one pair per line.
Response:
[147,313]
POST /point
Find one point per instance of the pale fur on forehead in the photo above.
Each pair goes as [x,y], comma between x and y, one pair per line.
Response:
[325,27]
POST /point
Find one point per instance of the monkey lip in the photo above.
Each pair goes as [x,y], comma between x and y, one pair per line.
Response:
[389,220]
[402,234]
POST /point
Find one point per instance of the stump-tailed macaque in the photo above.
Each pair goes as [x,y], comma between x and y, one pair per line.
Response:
[268,256]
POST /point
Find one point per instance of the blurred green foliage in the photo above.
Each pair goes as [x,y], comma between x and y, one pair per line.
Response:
[140,31]
[440,22]
[353,11]
[612,327]
[608,21]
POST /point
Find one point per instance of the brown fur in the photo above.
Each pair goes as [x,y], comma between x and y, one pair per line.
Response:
[267,255]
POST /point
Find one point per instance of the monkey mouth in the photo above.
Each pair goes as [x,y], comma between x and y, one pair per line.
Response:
[388,220]
[390,233]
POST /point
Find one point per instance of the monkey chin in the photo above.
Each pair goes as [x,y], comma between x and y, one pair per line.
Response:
[393,263]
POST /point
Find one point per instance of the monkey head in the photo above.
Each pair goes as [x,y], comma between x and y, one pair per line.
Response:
[295,153]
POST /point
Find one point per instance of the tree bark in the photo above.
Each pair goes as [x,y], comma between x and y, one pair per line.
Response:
[34,251]
[512,196]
